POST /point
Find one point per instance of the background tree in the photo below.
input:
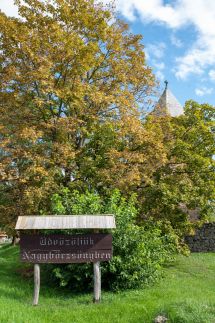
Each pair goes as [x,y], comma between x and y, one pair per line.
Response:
[187,180]
[74,83]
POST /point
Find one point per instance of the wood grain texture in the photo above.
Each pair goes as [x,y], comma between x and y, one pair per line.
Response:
[66,222]
[97,282]
[36,284]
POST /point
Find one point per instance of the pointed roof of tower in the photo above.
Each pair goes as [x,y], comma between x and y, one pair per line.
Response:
[168,104]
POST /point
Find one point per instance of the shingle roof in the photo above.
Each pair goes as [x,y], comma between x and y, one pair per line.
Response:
[106,221]
[168,105]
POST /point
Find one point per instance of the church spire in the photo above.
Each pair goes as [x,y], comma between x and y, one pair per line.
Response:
[168,104]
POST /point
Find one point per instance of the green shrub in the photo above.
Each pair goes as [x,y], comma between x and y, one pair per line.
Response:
[139,251]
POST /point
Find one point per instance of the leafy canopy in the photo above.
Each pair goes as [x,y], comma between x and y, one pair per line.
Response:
[187,180]
[74,83]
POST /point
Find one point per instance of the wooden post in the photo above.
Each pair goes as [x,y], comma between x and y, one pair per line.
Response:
[97,282]
[36,283]
[97,278]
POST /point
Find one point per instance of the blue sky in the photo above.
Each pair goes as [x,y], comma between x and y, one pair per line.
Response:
[179,39]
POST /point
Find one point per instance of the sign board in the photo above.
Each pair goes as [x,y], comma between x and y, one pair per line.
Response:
[65,248]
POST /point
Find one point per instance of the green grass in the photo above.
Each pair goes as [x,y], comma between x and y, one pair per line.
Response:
[186,294]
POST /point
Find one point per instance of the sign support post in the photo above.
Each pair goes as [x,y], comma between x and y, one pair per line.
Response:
[97,282]
[36,284]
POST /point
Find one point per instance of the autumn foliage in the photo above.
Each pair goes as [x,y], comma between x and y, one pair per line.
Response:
[73,86]
[74,92]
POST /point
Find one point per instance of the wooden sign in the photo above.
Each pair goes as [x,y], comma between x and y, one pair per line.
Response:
[65,248]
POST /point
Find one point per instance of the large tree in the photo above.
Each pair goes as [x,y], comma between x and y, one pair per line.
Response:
[74,84]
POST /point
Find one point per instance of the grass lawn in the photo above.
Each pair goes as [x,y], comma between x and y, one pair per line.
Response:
[186,294]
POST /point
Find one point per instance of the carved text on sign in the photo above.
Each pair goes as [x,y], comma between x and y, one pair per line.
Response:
[68,241]
[58,248]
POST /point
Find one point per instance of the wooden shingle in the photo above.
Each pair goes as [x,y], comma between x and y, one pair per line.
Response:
[66,222]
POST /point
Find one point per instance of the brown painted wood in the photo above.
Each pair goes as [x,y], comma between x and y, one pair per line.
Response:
[62,258]
[58,248]
[66,242]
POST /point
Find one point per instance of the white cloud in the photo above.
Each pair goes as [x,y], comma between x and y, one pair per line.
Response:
[212,75]
[159,65]
[160,75]
[154,53]
[8,7]
[156,50]
[203,91]
[176,41]
[200,56]
[153,10]
[199,13]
